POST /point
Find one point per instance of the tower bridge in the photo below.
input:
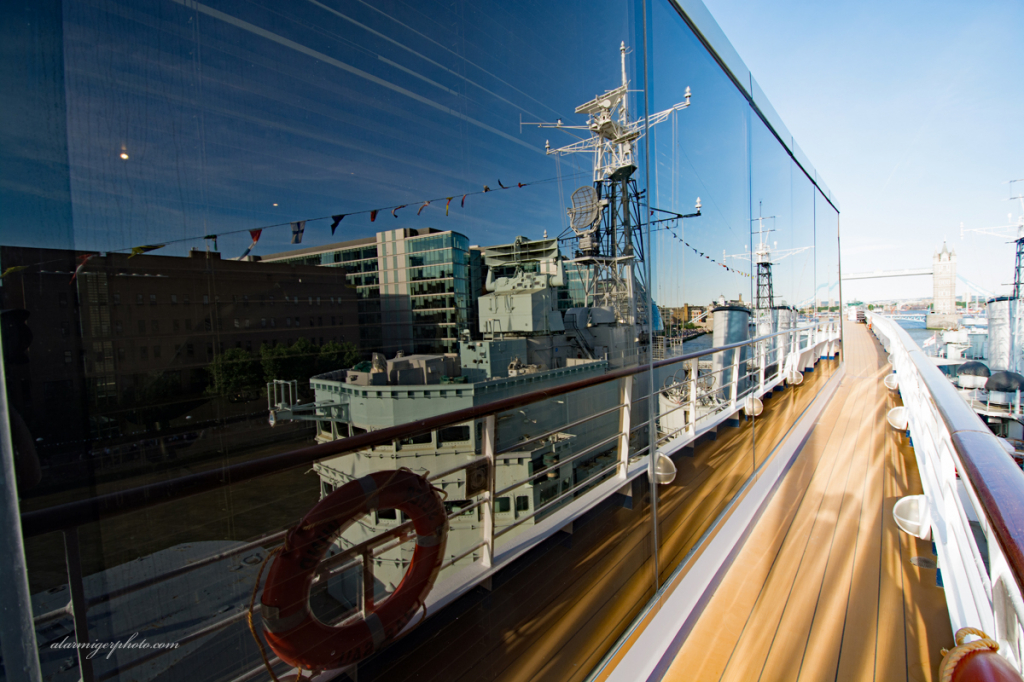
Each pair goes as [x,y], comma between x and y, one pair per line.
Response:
[943,272]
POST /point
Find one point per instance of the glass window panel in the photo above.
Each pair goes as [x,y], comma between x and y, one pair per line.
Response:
[176,132]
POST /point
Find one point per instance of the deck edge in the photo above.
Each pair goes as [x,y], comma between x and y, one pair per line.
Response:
[652,652]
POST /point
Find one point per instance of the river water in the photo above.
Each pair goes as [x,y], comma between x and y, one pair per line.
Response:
[919,334]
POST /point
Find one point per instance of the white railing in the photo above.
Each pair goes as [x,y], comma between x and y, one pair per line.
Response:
[973,492]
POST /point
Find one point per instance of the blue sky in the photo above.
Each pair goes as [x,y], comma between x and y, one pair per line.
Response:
[912,112]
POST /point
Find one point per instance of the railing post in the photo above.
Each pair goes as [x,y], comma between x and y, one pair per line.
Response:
[17,631]
[366,594]
[737,352]
[79,609]
[625,421]
[694,368]
[794,345]
[763,350]
[487,555]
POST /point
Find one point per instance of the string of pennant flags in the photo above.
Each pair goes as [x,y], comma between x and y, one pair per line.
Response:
[700,254]
[298,228]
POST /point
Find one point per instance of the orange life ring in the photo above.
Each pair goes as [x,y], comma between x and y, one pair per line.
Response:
[289,626]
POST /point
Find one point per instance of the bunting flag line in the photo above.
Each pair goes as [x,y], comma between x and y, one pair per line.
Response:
[13,270]
[139,250]
[255,234]
[298,227]
[82,260]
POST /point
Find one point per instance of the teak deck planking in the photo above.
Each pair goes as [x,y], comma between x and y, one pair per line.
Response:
[823,588]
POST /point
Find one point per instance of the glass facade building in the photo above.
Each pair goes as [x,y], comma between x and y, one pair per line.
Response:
[412,286]
[135,131]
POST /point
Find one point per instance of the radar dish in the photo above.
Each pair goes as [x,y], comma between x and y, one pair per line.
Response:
[585,208]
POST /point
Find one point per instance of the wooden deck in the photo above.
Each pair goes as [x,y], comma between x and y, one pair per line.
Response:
[824,587]
[554,613]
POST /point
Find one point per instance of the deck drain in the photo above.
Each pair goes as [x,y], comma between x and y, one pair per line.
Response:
[923,562]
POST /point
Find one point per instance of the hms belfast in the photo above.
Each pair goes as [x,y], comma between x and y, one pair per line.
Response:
[527,345]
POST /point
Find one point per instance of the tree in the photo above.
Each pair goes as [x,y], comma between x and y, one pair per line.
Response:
[871,306]
[294,362]
[334,355]
[234,373]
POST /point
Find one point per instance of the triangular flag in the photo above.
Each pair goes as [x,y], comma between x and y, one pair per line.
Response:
[255,234]
[298,227]
[214,238]
[139,250]
[425,204]
[521,185]
[82,260]
[447,205]
[486,188]
[14,269]
[373,215]
[501,185]
[395,209]
[336,219]
[464,200]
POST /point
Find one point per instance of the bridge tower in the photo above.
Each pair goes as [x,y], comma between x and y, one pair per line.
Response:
[944,312]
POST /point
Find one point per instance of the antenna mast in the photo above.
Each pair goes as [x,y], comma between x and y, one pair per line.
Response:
[606,218]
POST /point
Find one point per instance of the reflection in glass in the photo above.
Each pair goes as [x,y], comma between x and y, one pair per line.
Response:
[264,229]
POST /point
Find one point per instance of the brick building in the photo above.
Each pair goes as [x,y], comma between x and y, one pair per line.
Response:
[130,332]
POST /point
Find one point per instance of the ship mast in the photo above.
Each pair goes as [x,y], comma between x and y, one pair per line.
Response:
[605,218]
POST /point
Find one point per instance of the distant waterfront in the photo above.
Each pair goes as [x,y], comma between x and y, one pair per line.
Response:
[919,334]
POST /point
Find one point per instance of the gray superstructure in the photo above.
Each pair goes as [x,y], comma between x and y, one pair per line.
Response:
[526,346]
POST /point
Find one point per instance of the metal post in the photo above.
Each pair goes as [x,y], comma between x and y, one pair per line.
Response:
[487,555]
[17,632]
[79,608]
[763,362]
[652,431]
[693,396]
[366,598]
[735,388]
[625,422]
